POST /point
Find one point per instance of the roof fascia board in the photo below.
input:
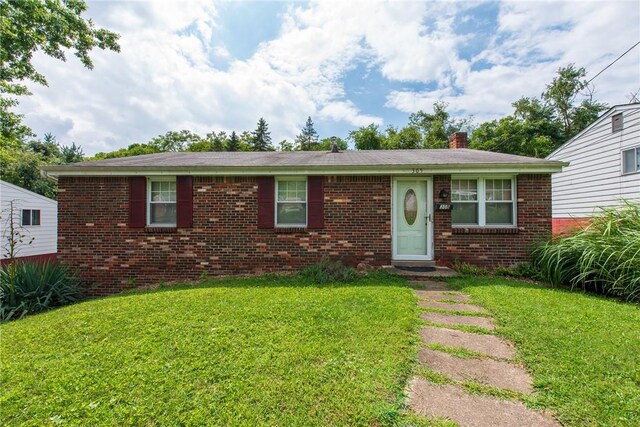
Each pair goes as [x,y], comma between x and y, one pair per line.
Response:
[407,170]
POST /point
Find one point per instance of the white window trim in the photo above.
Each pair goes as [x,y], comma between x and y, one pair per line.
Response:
[31,224]
[635,150]
[278,179]
[149,201]
[482,221]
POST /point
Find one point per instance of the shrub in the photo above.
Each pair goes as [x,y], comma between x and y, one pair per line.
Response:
[28,287]
[469,269]
[603,257]
[327,271]
[523,270]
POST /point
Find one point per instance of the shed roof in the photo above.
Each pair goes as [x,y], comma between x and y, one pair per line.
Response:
[318,161]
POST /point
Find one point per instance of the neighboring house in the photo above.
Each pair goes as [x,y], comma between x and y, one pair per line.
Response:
[174,216]
[34,216]
[604,168]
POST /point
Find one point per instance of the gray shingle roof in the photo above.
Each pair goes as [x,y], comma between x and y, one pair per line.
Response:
[306,159]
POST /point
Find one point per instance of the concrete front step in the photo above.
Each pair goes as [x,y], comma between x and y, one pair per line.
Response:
[452,402]
[438,272]
[430,285]
[454,319]
[495,373]
[452,306]
[441,295]
[485,344]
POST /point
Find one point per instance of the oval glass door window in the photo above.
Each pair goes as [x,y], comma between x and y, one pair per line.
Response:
[410,206]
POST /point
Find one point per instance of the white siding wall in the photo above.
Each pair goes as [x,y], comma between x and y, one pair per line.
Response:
[45,235]
[594,177]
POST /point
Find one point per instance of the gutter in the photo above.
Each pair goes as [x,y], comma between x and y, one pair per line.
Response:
[52,172]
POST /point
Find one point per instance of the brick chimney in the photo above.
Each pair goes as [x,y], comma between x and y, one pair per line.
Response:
[458,140]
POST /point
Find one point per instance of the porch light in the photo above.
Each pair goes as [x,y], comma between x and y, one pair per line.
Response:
[444,193]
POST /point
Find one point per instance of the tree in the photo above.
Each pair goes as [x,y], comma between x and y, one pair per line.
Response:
[53,27]
[561,94]
[538,126]
[436,127]
[326,144]
[261,137]
[408,137]
[174,141]
[234,142]
[72,154]
[14,235]
[219,141]
[132,150]
[367,137]
[285,145]
[308,138]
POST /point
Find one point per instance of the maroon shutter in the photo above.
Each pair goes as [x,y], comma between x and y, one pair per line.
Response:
[315,201]
[137,201]
[184,201]
[266,200]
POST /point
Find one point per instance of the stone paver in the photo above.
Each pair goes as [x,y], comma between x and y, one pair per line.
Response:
[452,306]
[454,319]
[440,295]
[486,344]
[491,372]
[449,401]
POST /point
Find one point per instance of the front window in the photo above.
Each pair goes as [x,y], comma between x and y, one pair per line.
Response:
[161,202]
[482,202]
[631,160]
[464,197]
[30,217]
[498,202]
[291,202]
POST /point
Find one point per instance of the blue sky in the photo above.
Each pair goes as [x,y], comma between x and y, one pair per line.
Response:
[205,65]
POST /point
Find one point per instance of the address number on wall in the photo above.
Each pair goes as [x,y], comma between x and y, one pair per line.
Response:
[417,170]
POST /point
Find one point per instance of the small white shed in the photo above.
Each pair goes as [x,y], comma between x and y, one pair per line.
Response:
[604,167]
[34,215]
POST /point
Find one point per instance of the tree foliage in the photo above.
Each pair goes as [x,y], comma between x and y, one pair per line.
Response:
[367,137]
[308,137]
[538,126]
[436,127]
[53,27]
[261,137]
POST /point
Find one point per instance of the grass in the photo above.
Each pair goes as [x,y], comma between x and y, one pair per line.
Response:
[583,350]
[257,351]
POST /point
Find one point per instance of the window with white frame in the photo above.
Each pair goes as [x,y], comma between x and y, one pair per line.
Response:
[631,160]
[483,202]
[161,202]
[30,217]
[291,202]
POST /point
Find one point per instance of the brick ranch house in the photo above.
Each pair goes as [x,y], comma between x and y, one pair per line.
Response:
[171,216]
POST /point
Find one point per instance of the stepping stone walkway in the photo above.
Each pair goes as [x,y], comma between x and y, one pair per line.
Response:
[493,367]
[455,319]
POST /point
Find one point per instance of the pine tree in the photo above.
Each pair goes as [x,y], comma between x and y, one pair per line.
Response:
[261,138]
[234,142]
[219,141]
[308,139]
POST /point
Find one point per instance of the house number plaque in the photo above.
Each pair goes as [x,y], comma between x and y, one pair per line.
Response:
[443,206]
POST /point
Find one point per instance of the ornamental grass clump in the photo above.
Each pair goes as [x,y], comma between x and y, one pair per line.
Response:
[31,287]
[604,257]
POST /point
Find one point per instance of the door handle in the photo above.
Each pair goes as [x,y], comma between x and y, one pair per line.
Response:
[428,218]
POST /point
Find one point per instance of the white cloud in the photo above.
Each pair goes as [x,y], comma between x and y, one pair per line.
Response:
[164,78]
[532,41]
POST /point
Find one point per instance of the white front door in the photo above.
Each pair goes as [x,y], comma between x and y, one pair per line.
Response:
[412,219]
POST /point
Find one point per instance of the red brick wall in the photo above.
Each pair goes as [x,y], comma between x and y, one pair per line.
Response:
[94,238]
[493,247]
[565,226]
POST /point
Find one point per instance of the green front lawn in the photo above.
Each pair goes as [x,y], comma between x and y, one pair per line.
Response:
[583,350]
[260,351]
